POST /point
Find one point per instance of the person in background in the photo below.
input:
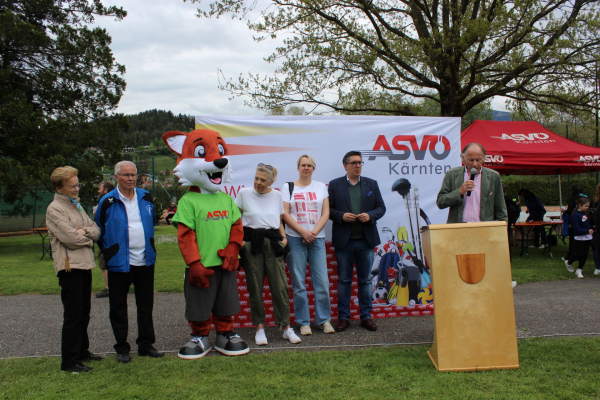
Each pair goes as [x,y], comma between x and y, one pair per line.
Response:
[582,233]
[355,206]
[72,234]
[306,211]
[576,193]
[103,189]
[596,241]
[170,213]
[126,217]
[262,252]
[536,212]
[513,209]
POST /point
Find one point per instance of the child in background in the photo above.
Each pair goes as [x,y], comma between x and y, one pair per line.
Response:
[582,233]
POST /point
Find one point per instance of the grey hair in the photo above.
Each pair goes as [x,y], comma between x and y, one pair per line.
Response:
[463,154]
[120,164]
[272,174]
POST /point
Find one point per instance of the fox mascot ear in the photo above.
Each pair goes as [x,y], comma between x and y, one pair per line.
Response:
[201,158]
[175,141]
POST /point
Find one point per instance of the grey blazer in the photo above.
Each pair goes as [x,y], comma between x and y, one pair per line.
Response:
[493,206]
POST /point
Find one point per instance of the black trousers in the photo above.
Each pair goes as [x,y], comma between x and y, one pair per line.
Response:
[76,293]
[143,283]
[581,249]
[538,232]
[571,244]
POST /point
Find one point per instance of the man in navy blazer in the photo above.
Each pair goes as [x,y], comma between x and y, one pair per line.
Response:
[355,205]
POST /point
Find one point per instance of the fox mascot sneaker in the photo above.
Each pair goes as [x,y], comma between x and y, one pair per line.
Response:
[231,344]
[198,347]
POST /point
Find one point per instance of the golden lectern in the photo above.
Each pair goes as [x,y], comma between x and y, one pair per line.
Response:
[474,318]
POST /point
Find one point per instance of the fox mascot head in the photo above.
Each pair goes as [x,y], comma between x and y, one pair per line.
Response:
[202,158]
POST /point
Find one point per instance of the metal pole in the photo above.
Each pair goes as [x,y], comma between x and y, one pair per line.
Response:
[34,207]
[596,86]
[568,176]
[153,177]
[559,192]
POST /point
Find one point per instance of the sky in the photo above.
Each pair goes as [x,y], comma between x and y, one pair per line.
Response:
[172,58]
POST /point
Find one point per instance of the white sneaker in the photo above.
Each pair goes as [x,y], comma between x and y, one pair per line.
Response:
[579,273]
[260,338]
[542,246]
[326,327]
[305,330]
[597,272]
[514,283]
[569,266]
[289,334]
[563,259]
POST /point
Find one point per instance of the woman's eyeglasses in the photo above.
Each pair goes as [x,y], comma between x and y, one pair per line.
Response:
[267,166]
[78,186]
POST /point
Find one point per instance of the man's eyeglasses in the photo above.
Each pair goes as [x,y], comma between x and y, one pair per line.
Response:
[128,175]
[78,186]
[267,166]
[355,163]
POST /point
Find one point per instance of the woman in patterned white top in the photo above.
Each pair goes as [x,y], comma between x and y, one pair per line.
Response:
[306,211]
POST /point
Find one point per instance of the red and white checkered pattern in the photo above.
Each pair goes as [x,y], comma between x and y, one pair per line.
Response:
[244,320]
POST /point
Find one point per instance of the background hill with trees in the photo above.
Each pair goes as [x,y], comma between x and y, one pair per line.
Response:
[147,127]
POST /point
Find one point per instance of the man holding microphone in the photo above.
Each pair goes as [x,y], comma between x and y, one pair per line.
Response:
[473,192]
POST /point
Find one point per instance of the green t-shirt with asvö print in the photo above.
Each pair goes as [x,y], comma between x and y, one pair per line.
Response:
[211,216]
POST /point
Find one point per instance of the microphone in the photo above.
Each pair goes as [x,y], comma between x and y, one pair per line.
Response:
[473,173]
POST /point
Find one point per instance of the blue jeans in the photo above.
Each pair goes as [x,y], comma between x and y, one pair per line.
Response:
[356,251]
[314,253]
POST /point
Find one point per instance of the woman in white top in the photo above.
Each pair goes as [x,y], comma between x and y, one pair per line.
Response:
[263,250]
[306,213]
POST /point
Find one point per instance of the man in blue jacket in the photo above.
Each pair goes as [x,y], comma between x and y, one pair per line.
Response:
[126,218]
[355,205]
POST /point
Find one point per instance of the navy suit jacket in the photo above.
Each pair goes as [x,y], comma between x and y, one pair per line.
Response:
[339,204]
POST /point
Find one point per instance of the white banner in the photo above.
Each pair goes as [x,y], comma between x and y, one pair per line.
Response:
[408,156]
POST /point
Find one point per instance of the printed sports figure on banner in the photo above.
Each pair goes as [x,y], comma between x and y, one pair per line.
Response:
[400,273]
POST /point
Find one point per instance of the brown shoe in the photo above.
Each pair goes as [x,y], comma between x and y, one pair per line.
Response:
[368,324]
[342,325]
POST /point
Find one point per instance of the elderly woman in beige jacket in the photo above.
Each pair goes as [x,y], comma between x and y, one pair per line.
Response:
[72,234]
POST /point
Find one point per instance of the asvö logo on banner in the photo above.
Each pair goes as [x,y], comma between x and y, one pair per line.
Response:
[438,147]
[526,138]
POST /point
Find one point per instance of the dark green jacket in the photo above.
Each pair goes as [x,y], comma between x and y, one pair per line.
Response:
[493,207]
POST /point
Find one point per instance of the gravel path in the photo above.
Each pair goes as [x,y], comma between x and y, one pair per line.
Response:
[31,324]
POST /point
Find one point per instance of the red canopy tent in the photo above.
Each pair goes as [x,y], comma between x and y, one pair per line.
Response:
[527,148]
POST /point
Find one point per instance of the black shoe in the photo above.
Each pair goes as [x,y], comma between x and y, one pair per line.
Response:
[123,358]
[102,294]
[92,357]
[77,368]
[151,352]
[88,368]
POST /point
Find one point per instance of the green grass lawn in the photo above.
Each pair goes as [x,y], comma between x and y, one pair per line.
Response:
[565,368]
[551,368]
[22,272]
[161,163]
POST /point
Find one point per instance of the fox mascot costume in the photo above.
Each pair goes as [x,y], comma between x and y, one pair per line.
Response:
[209,233]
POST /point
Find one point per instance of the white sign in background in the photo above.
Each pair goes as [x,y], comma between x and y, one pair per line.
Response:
[413,152]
